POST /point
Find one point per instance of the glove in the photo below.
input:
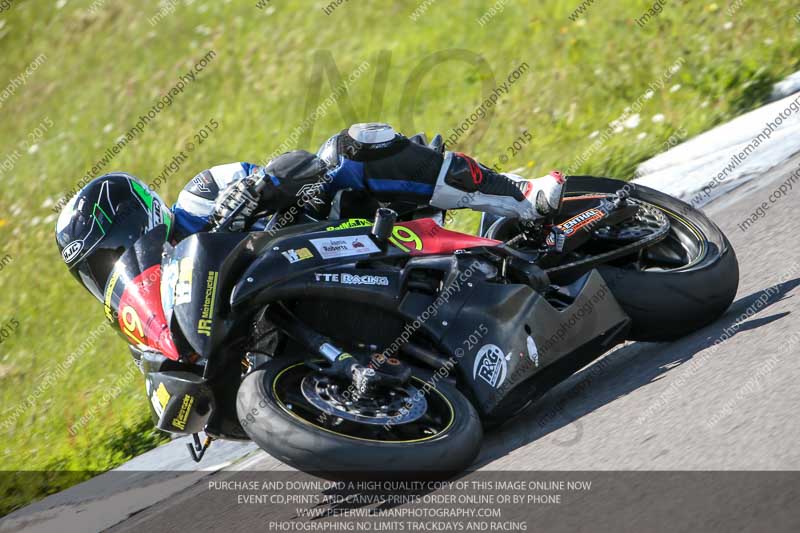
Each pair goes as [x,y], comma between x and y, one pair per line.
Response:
[301,177]
[235,194]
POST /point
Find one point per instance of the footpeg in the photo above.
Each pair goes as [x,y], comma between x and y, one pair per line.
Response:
[197,450]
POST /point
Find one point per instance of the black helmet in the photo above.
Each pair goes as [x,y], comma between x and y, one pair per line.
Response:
[103,220]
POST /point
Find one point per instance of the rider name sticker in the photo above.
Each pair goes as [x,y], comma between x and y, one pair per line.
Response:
[335,247]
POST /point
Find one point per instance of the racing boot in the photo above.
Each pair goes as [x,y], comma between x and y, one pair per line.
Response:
[465,183]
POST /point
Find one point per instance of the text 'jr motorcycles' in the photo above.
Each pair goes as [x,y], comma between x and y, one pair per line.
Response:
[384,343]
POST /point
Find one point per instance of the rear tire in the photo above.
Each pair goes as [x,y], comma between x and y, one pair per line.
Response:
[665,305]
[305,446]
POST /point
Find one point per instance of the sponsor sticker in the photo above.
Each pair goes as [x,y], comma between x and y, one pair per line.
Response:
[584,219]
[183,286]
[169,278]
[160,399]
[205,322]
[346,246]
[112,282]
[490,365]
[183,415]
[533,351]
[352,279]
[295,256]
[72,250]
[350,224]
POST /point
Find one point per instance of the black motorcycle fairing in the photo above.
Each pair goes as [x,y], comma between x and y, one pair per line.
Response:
[502,335]
[153,361]
[197,271]
[194,273]
[180,402]
[284,267]
[498,334]
[132,300]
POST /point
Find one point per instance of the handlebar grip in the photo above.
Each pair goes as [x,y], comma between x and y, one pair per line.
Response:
[259,184]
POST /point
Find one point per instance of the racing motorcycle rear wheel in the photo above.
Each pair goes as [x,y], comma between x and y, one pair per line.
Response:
[678,285]
[425,428]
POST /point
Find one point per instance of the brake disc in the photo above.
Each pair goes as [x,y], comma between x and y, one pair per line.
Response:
[398,405]
[647,221]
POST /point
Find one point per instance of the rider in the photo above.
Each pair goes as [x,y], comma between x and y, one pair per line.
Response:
[372,160]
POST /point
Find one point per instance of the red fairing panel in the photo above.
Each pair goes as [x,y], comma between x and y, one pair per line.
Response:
[141,317]
[426,237]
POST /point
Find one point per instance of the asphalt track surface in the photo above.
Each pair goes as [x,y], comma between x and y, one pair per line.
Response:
[723,398]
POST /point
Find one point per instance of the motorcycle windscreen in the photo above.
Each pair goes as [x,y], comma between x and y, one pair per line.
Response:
[132,296]
[194,271]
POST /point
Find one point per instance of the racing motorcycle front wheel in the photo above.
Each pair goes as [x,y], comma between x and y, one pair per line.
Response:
[424,428]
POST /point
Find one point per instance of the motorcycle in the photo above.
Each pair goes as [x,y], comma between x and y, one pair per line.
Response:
[386,343]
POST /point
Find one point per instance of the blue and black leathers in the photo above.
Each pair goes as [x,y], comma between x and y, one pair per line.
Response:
[403,171]
[382,165]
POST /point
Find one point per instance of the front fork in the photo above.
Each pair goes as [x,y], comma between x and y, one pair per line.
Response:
[343,365]
[307,337]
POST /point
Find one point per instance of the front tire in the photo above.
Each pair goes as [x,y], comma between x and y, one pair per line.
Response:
[280,429]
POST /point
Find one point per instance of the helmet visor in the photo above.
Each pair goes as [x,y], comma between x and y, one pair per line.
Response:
[94,271]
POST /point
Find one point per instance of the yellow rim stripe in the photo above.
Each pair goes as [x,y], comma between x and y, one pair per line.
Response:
[303,420]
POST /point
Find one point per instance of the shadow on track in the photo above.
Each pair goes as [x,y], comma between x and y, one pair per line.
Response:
[625,370]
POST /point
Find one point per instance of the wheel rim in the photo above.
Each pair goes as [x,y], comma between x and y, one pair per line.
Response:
[402,405]
[290,395]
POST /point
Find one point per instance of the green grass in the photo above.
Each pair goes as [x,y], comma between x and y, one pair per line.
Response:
[103,70]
